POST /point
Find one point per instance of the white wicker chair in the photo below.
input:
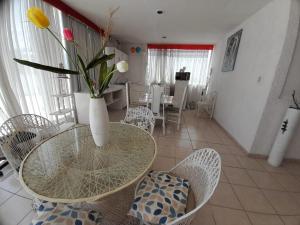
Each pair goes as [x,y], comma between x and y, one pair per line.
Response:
[19,134]
[208,103]
[202,169]
[141,117]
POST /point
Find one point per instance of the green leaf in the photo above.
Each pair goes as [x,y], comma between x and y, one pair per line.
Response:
[98,61]
[86,75]
[46,68]
[107,79]
[98,54]
[102,73]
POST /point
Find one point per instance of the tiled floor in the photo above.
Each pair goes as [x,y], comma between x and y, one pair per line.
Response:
[250,191]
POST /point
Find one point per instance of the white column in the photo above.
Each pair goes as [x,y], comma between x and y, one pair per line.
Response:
[284,136]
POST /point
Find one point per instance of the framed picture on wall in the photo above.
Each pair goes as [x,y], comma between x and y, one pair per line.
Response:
[232,48]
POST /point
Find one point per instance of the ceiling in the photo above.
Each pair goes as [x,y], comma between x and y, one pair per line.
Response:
[183,21]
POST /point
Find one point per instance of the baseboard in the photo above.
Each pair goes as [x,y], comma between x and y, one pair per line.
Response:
[252,155]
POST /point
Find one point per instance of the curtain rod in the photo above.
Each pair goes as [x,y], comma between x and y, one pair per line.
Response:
[182,46]
[72,12]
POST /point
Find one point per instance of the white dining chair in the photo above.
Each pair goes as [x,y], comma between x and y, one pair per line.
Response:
[157,108]
[140,116]
[202,169]
[133,93]
[174,114]
[207,103]
[19,134]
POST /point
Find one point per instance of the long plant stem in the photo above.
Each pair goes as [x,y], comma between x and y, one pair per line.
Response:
[75,65]
[69,55]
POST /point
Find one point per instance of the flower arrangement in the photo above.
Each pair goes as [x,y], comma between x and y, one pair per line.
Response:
[96,87]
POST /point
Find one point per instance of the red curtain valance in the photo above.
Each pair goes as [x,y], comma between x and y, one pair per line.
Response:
[182,46]
[72,12]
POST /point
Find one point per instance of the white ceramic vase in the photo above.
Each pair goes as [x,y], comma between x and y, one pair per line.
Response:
[98,116]
[288,126]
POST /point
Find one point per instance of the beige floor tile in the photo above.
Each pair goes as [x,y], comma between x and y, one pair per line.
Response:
[230,160]
[197,136]
[228,140]
[183,143]
[213,138]
[14,210]
[225,216]
[171,131]
[205,134]
[182,153]
[250,163]
[4,196]
[166,141]
[166,151]
[291,220]
[28,218]
[163,163]
[224,196]
[283,202]
[220,148]
[238,176]
[236,150]
[204,216]
[11,183]
[296,196]
[253,199]
[292,167]
[200,144]
[24,194]
[265,180]
[289,182]
[263,219]
[270,168]
[172,142]
[223,177]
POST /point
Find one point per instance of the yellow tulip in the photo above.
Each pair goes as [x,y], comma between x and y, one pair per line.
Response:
[38,18]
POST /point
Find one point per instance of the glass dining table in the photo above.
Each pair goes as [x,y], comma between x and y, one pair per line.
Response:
[70,168]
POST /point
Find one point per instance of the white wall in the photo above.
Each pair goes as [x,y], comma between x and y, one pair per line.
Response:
[278,102]
[137,63]
[241,96]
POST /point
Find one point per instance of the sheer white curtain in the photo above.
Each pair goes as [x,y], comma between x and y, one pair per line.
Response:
[89,43]
[164,63]
[9,105]
[21,39]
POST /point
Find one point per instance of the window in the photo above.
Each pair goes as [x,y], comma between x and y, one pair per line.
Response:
[164,63]
[32,88]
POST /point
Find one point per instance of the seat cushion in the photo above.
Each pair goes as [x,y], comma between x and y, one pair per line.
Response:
[160,198]
[61,214]
[140,122]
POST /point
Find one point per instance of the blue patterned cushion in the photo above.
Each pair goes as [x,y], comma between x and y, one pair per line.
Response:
[62,214]
[42,206]
[160,198]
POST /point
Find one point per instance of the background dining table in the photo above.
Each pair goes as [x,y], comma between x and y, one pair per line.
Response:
[70,168]
[165,99]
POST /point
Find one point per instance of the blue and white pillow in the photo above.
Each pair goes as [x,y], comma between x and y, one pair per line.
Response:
[63,214]
[160,198]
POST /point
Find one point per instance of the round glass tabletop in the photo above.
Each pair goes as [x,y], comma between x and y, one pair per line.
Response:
[70,168]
